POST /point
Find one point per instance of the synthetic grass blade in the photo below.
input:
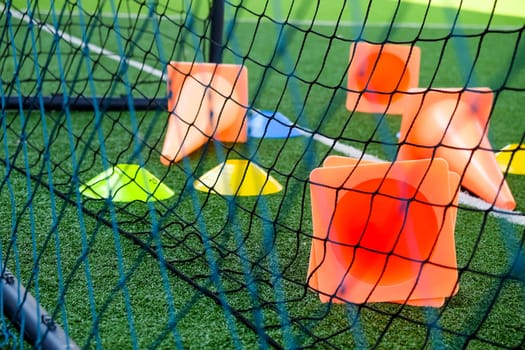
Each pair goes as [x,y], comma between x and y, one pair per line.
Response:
[237,177]
[126,183]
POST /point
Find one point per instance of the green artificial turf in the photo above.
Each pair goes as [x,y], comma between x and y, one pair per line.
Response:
[221,261]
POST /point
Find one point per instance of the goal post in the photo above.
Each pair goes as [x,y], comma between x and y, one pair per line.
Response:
[55,100]
[217,29]
[35,323]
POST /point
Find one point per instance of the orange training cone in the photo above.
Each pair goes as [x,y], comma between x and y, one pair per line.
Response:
[379,77]
[453,124]
[384,232]
[206,101]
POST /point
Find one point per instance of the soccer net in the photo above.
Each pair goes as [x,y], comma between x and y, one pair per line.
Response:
[242,174]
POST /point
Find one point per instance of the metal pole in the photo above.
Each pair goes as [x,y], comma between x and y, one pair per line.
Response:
[82,103]
[22,308]
[217,28]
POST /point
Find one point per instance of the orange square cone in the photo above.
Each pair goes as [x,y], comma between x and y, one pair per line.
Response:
[379,77]
[384,232]
[206,101]
[453,124]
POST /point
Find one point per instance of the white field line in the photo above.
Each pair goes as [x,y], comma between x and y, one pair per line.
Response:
[464,198]
[74,41]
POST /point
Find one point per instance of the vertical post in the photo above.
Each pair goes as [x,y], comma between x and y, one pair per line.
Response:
[217,28]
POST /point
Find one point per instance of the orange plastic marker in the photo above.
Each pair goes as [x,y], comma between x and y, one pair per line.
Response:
[384,232]
[453,124]
[206,101]
[380,75]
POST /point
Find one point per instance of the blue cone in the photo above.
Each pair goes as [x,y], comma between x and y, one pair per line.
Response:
[269,124]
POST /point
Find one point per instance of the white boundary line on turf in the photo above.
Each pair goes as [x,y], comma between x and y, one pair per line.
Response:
[464,198]
[80,43]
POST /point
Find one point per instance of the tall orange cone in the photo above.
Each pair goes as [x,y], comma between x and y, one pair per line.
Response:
[379,77]
[384,232]
[206,101]
[453,124]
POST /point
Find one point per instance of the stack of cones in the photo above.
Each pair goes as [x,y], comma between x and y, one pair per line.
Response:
[384,232]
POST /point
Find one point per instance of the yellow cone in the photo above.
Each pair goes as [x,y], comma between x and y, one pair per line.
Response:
[237,177]
[126,183]
[511,159]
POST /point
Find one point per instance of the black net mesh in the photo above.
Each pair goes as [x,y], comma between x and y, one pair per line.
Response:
[84,109]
